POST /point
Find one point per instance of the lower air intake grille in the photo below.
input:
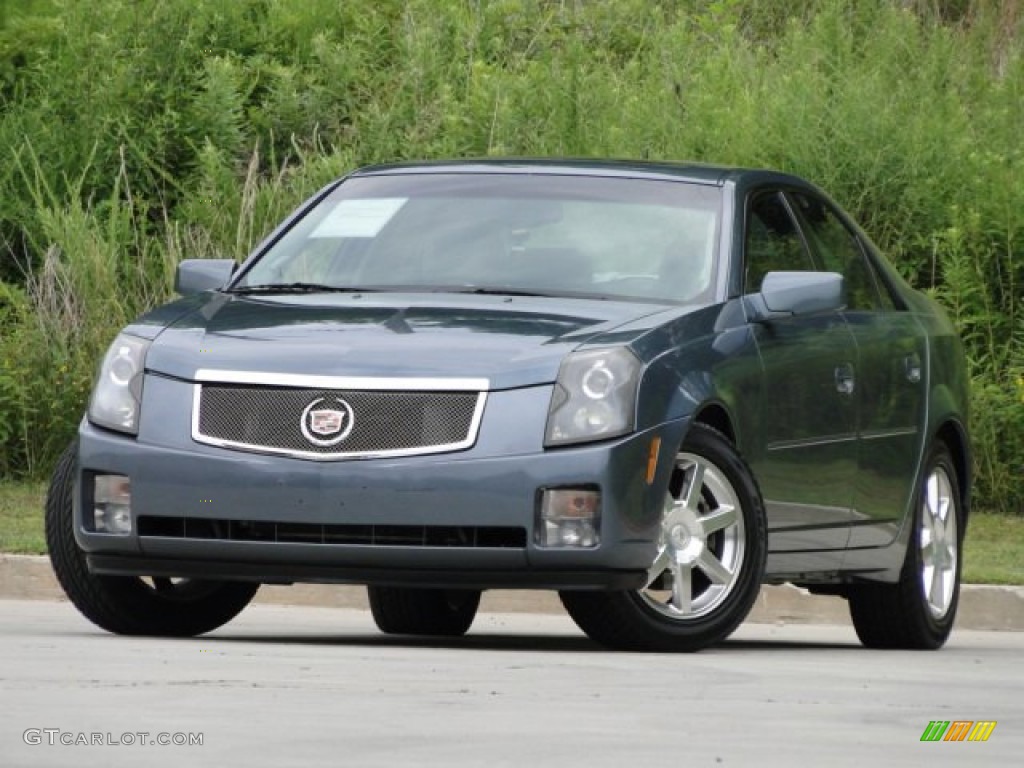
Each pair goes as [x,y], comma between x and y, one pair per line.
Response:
[473,537]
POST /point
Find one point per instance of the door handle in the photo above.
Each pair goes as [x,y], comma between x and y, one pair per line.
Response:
[845,380]
[912,367]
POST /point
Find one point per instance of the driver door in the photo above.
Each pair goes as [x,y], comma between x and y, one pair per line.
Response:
[808,459]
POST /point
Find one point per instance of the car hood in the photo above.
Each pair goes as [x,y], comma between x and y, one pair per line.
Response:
[510,341]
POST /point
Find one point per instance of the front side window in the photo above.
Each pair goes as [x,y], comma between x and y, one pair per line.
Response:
[545,234]
[772,242]
[838,250]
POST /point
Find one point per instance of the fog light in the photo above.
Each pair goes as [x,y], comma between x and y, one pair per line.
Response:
[112,504]
[569,517]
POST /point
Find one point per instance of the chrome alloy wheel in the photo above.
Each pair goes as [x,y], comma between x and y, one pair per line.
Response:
[702,542]
[938,542]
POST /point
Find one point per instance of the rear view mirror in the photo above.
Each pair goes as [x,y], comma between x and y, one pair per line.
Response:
[788,294]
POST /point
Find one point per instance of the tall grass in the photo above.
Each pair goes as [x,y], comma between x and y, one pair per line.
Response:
[135,132]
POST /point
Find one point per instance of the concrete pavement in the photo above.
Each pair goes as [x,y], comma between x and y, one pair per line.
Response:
[306,687]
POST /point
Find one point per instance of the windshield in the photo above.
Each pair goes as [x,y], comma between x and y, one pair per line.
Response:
[518,234]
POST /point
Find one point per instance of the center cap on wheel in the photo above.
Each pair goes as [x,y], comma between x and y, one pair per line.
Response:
[680,537]
[685,537]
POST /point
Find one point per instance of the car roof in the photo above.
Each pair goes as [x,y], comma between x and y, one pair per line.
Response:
[699,173]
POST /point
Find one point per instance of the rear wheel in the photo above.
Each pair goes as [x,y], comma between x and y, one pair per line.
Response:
[125,604]
[413,611]
[918,611]
[709,563]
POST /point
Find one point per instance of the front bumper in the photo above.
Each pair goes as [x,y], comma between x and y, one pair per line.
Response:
[493,485]
[267,572]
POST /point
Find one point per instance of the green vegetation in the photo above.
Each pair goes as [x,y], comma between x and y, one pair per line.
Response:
[994,550]
[21,518]
[136,132]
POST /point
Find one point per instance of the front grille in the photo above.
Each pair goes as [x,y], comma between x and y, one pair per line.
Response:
[270,419]
[474,537]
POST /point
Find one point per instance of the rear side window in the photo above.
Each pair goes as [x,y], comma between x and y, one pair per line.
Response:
[773,242]
[838,250]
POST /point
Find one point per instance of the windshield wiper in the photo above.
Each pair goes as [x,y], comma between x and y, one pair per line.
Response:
[268,288]
[479,290]
[488,291]
[499,291]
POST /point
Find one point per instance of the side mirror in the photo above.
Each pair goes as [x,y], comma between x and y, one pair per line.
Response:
[198,275]
[788,294]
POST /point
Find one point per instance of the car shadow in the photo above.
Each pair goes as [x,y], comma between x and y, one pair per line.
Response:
[472,642]
[503,642]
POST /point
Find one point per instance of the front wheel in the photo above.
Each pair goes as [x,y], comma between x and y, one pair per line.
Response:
[918,611]
[128,605]
[709,563]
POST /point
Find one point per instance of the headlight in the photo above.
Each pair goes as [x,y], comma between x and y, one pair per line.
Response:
[118,392]
[594,397]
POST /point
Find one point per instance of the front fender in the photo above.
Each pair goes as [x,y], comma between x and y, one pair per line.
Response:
[703,362]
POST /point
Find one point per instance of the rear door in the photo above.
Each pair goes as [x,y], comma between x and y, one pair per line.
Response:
[889,378]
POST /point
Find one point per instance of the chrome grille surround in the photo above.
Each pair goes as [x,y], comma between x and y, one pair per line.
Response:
[262,413]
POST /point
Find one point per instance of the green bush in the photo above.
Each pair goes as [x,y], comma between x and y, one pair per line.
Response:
[136,132]
[40,390]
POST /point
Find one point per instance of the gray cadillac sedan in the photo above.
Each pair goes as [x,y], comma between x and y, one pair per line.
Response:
[649,387]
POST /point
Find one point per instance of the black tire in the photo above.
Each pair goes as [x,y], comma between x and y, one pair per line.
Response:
[127,605]
[641,620]
[414,611]
[901,615]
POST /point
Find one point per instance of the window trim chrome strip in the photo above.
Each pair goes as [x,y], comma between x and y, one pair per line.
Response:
[468,442]
[362,383]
